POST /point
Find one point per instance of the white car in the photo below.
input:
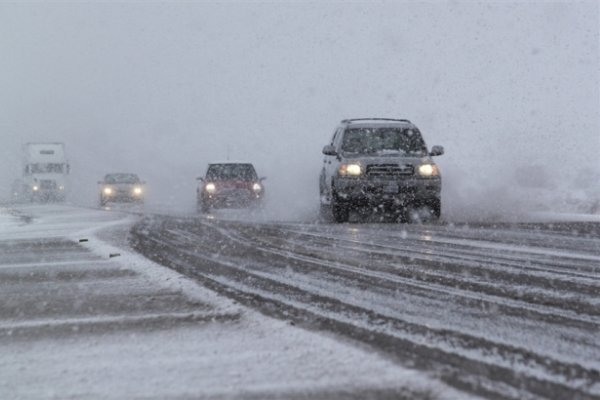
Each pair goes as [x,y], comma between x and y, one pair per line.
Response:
[121,187]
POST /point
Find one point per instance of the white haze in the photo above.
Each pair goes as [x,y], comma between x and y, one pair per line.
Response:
[510,89]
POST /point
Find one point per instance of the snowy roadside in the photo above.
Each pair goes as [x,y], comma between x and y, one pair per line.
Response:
[95,341]
[545,216]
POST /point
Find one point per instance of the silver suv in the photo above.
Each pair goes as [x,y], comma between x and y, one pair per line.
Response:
[379,164]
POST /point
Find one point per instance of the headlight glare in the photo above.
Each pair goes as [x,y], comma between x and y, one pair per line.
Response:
[428,170]
[350,170]
[210,188]
[256,187]
[137,190]
[107,190]
[35,188]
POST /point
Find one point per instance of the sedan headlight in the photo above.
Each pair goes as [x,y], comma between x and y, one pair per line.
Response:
[350,170]
[107,190]
[137,190]
[210,188]
[428,170]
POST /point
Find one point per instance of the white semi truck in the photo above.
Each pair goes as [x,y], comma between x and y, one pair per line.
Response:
[45,172]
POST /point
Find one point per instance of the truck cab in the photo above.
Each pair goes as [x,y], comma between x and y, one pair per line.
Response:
[45,171]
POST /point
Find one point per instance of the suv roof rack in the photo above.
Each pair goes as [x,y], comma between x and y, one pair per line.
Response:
[345,121]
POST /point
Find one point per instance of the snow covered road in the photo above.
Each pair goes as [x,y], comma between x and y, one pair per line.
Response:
[84,317]
[503,311]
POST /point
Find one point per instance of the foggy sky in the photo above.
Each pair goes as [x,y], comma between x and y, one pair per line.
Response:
[162,89]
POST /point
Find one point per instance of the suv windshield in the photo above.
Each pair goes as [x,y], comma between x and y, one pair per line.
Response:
[223,172]
[383,141]
[121,178]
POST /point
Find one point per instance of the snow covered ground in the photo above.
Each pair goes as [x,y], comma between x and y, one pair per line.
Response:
[82,316]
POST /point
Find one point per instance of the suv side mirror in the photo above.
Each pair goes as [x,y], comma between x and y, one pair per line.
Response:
[264,178]
[200,179]
[436,151]
[329,150]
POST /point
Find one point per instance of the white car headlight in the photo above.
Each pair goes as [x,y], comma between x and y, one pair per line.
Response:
[428,170]
[35,188]
[107,190]
[137,190]
[256,187]
[350,169]
[210,188]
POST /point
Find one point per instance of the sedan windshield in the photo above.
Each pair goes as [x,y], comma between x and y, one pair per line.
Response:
[383,141]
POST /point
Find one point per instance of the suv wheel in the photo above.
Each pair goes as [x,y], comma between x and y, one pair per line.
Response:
[203,208]
[325,213]
[340,211]
[436,208]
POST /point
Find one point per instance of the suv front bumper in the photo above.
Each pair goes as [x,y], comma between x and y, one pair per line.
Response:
[363,192]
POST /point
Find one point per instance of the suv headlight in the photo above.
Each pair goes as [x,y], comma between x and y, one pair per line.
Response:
[428,170]
[137,190]
[256,187]
[107,190]
[352,169]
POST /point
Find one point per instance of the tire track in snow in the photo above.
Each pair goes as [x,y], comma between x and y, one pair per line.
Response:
[198,249]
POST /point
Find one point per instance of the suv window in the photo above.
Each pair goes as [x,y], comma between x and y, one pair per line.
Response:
[223,172]
[336,134]
[383,141]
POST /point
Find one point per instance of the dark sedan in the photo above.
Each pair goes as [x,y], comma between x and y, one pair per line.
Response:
[230,185]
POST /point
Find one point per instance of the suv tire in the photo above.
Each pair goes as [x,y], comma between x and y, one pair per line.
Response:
[340,211]
[436,208]
[203,208]
[325,214]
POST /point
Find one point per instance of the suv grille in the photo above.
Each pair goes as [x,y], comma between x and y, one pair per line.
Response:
[389,170]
